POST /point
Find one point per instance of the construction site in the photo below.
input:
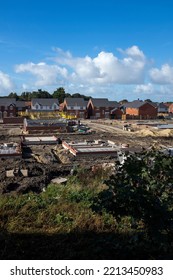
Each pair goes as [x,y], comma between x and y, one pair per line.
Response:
[31,160]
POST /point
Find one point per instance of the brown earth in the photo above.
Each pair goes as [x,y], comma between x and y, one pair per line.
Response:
[47,162]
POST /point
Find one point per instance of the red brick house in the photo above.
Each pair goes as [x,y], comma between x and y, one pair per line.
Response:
[7,107]
[23,106]
[116,113]
[140,110]
[100,108]
[74,107]
[170,109]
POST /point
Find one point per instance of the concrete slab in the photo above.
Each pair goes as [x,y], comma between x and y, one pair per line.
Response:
[39,140]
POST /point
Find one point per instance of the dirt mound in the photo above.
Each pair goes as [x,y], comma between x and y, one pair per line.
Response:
[165,132]
[154,132]
[63,155]
[146,132]
[14,131]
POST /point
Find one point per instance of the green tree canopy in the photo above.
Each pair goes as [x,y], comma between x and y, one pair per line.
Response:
[13,95]
[142,188]
[123,101]
[60,94]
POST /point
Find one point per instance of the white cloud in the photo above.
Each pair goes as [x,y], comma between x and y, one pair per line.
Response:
[6,83]
[134,51]
[163,75]
[144,88]
[105,68]
[45,74]
[106,73]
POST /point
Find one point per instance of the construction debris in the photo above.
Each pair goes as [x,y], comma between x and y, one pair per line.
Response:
[17,172]
[40,140]
[59,180]
[10,150]
[95,148]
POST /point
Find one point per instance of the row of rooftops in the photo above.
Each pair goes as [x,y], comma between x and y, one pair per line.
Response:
[69,101]
[21,103]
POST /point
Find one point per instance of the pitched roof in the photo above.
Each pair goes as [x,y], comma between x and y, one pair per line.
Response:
[113,104]
[134,104]
[113,110]
[20,103]
[7,101]
[104,102]
[137,104]
[44,101]
[162,105]
[78,101]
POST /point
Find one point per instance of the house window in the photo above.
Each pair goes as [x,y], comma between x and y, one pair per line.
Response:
[11,107]
[81,108]
[72,107]
[106,114]
[36,107]
[55,107]
[50,107]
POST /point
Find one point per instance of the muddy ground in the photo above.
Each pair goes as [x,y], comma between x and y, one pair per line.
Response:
[46,162]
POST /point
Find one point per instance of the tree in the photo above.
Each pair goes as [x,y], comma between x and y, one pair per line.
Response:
[78,95]
[123,101]
[142,189]
[148,100]
[60,94]
[13,95]
[41,94]
[26,95]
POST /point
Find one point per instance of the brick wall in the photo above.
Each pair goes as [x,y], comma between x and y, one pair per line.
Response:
[13,120]
[146,111]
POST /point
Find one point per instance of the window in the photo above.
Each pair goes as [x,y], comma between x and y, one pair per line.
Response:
[36,107]
[106,114]
[72,107]
[97,115]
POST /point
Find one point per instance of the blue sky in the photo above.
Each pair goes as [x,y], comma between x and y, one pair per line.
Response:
[115,49]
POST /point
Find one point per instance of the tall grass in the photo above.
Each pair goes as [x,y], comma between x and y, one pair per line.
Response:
[61,208]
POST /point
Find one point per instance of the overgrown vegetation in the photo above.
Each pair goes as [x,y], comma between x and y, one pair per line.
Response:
[127,215]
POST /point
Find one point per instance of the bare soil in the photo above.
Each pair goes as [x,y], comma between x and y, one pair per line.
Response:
[47,162]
